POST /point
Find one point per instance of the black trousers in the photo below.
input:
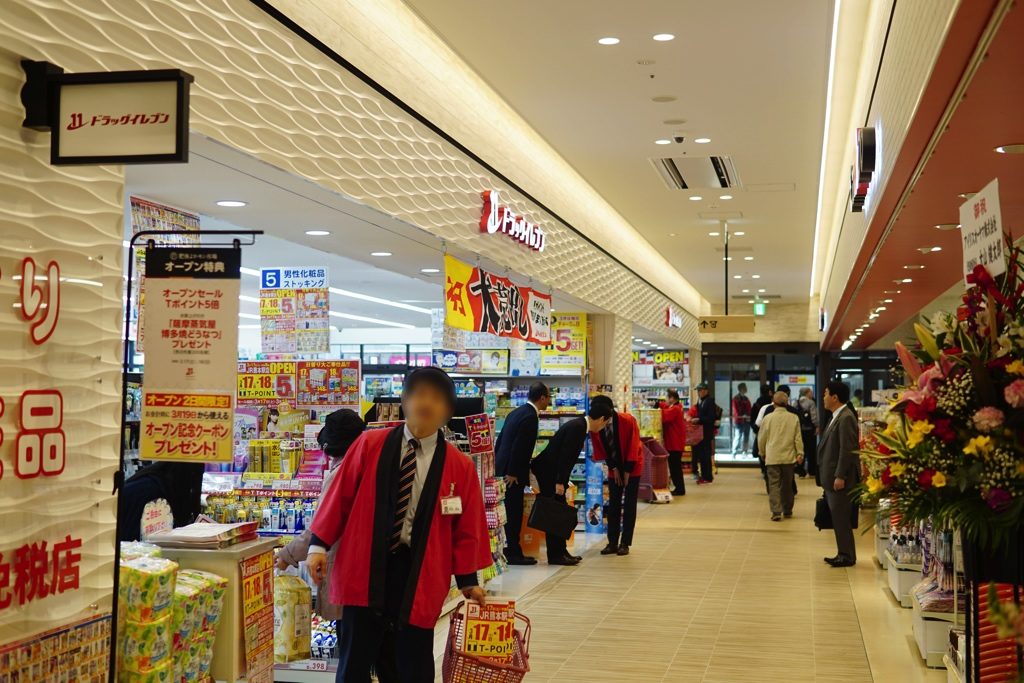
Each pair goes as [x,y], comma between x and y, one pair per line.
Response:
[675,470]
[702,457]
[556,545]
[841,506]
[370,638]
[622,511]
[514,523]
[810,452]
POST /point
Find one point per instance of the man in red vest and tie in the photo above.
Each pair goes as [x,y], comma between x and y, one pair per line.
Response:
[407,512]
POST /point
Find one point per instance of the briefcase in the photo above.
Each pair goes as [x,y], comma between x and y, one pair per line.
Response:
[552,516]
[823,514]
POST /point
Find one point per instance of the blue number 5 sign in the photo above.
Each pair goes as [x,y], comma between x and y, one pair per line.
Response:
[270,278]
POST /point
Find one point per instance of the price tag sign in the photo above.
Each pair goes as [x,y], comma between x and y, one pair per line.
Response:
[479,433]
[489,630]
[314,665]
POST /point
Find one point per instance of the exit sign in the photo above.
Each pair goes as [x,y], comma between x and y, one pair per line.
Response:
[760,307]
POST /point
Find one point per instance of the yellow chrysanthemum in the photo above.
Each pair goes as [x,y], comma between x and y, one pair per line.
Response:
[896,468]
[938,480]
[979,446]
[1016,368]
[874,485]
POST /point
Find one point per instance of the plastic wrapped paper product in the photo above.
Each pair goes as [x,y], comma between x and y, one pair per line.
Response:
[214,587]
[147,587]
[293,601]
[204,655]
[146,645]
[161,674]
[133,549]
[189,610]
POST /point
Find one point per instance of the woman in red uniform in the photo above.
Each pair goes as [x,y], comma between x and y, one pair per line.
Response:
[407,512]
[618,444]
[673,424]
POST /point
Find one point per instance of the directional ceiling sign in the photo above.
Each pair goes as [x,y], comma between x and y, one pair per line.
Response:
[719,324]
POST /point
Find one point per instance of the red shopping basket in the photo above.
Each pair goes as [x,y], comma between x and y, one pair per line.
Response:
[461,667]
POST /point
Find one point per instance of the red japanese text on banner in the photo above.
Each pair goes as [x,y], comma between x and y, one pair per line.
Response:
[480,301]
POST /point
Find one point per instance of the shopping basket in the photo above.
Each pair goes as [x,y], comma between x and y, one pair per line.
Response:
[459,666]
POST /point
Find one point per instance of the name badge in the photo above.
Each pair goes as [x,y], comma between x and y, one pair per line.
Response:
[451,504]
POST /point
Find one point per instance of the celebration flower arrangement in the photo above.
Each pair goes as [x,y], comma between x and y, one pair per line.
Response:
[953,447]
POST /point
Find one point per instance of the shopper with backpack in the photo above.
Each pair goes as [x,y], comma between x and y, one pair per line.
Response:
[810,428]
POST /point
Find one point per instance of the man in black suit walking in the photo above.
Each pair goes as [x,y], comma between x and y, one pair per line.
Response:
[553,468]
[512,455]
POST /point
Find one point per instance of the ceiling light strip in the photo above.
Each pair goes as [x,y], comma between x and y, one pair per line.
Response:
[375,321]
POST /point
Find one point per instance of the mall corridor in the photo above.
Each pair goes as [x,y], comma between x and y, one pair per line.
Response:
[714,591]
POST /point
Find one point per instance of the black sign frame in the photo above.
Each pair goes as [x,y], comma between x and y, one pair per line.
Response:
[180,154]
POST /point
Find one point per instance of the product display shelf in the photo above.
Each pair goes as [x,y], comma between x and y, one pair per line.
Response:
[953,674]
[931,632]
[228,652]
[902,577]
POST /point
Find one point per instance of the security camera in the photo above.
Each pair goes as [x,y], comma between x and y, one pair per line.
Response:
[679,139]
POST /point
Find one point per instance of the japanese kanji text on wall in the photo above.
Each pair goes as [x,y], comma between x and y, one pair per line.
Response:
[60,396]
[191,321]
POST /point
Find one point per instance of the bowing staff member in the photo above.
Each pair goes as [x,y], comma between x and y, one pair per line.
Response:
[553,468]
[618,444]
[407,513]
[512,455]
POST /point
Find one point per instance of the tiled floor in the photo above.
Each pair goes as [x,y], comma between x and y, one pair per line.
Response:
[716,592]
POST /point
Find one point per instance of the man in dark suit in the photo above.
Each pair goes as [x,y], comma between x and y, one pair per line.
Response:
[553,468]
[512,455]
[706,417]
[839,469]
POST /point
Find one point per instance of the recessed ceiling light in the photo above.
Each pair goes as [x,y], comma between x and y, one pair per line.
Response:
[761,291]
[913,266]
[906,280]
[1011,149]
[881,308]
[748,258]
[318,233]
[727,258]
[696,198]
[430,271]
[737,277]
[663,98]
[936,249]
[702,141]
[947,226]
[726,197]
[662,141]
[714,234]
[746,291]
[891,291]
[609,40]
[231,203]
[756,277]
[739,233]
[671,234]
[750,301]
[886,301]
[380,253]
[663,37]
[966,195]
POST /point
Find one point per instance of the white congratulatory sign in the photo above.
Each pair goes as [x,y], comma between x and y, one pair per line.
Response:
[981,232]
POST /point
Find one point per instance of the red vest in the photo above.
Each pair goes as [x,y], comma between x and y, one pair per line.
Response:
[630,448]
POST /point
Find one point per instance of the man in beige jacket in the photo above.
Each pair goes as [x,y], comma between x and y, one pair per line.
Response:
[782,445]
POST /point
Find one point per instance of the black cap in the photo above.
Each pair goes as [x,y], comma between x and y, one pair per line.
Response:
[431,375]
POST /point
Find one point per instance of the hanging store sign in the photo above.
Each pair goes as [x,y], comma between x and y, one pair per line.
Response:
[981,232]
[327,384]
[673,318]
[860,177]
[721,324]
[192,340]
[479,301]
[497,218]
[567,352]
[295,308]
[109,117]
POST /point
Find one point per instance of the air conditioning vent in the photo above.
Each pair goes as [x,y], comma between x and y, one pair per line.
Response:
[693,173]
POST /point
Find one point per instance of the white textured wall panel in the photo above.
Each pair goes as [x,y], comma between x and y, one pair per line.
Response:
[71,215]
[263,90]
[918,30]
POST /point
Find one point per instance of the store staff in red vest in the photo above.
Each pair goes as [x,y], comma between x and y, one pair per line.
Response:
[618,444]
[407,512]
[673,424]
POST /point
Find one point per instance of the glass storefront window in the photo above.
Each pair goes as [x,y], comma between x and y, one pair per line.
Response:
[385,354]
[420,355]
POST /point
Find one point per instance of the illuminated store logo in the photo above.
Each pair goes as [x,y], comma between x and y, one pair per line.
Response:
[673,318]
[498,218]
